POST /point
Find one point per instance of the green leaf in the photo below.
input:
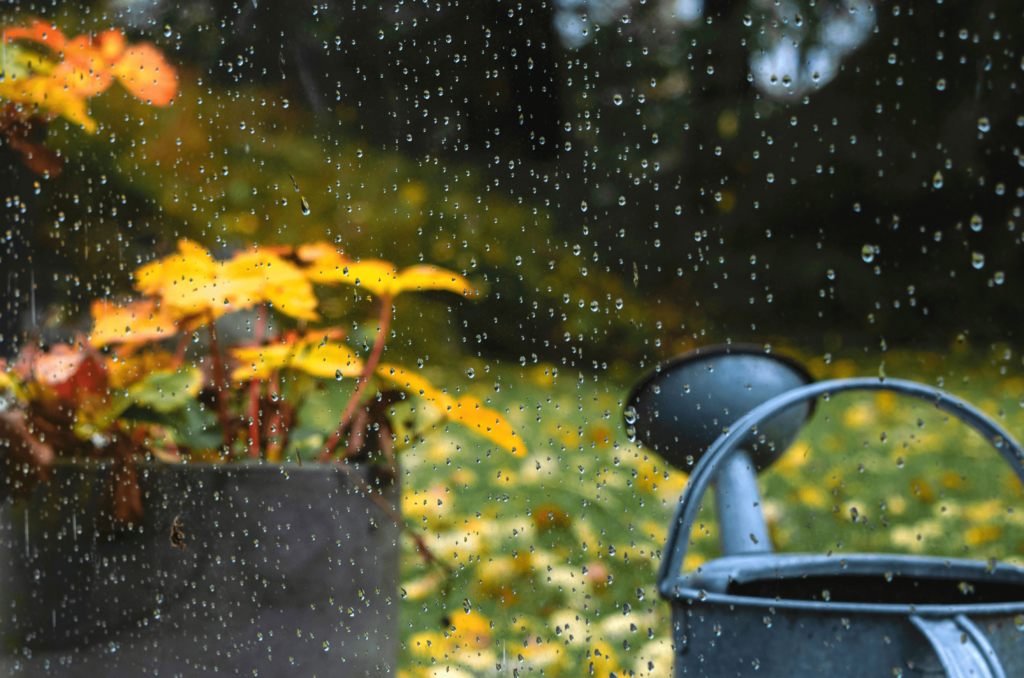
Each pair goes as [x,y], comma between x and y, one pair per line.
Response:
[167,391]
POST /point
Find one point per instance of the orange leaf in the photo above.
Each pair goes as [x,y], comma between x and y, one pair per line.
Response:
[38,31]
[137,322]
[145,73]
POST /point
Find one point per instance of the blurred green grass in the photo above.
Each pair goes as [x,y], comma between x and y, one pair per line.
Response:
[555,555]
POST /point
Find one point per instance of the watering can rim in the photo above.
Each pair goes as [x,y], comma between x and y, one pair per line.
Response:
[715,351]
[684,594]
[745,568]
[670,578]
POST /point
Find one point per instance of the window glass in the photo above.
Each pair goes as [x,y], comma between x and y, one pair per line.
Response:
[347,334]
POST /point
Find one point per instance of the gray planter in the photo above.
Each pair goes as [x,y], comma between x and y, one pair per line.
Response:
[286,571]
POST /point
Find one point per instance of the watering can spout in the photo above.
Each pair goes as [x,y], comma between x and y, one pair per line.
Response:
[738,503]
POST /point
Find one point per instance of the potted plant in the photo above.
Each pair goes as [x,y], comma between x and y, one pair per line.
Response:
[179,501]
[46,76]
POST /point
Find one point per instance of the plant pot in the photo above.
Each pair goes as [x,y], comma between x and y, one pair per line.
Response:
[285,571]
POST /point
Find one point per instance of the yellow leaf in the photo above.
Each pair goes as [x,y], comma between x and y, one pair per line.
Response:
[419,278]
[309,354]
[488,424]
[324,261]
[177,278]
[123,372]
[467,410]
[381,277]
[327,360]
[191,282]
[396,377]
[8,382]
[260,362]
[133,323]
[266,277]
[45,93]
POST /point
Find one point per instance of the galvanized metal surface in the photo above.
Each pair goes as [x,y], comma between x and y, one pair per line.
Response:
[720,633]
[684,405]
[286,571]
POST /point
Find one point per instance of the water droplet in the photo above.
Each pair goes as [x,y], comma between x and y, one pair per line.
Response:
[466,605]
[830,274]
[747,20]
[654,138]
[977,259]
[595,307]
[447,38]
[940,84]
[892,58]
[519,261]
[583,206]
[337,375]
[470,373]
[576,250]
[937,180]
[167,31]
[1018,621]
[899,462]
[999,277]
[711,70]
[983,124]
[305,206]
[867,253]
[630,415]
[976,223]
[617,99]
[419,363]
[568,145]
[618,303]
[622,200]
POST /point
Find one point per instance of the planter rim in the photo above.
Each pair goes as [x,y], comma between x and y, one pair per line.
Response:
[249,465]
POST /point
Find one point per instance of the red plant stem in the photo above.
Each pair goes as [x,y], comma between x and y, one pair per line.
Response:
[387,447]
[221,385]
[364,378]
[421,544]
[254,391]
[357,433]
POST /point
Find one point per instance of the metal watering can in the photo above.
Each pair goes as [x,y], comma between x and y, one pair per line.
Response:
[757,613]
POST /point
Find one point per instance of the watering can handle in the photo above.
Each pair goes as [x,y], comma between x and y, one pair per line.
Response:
[727,444]
[961,646]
